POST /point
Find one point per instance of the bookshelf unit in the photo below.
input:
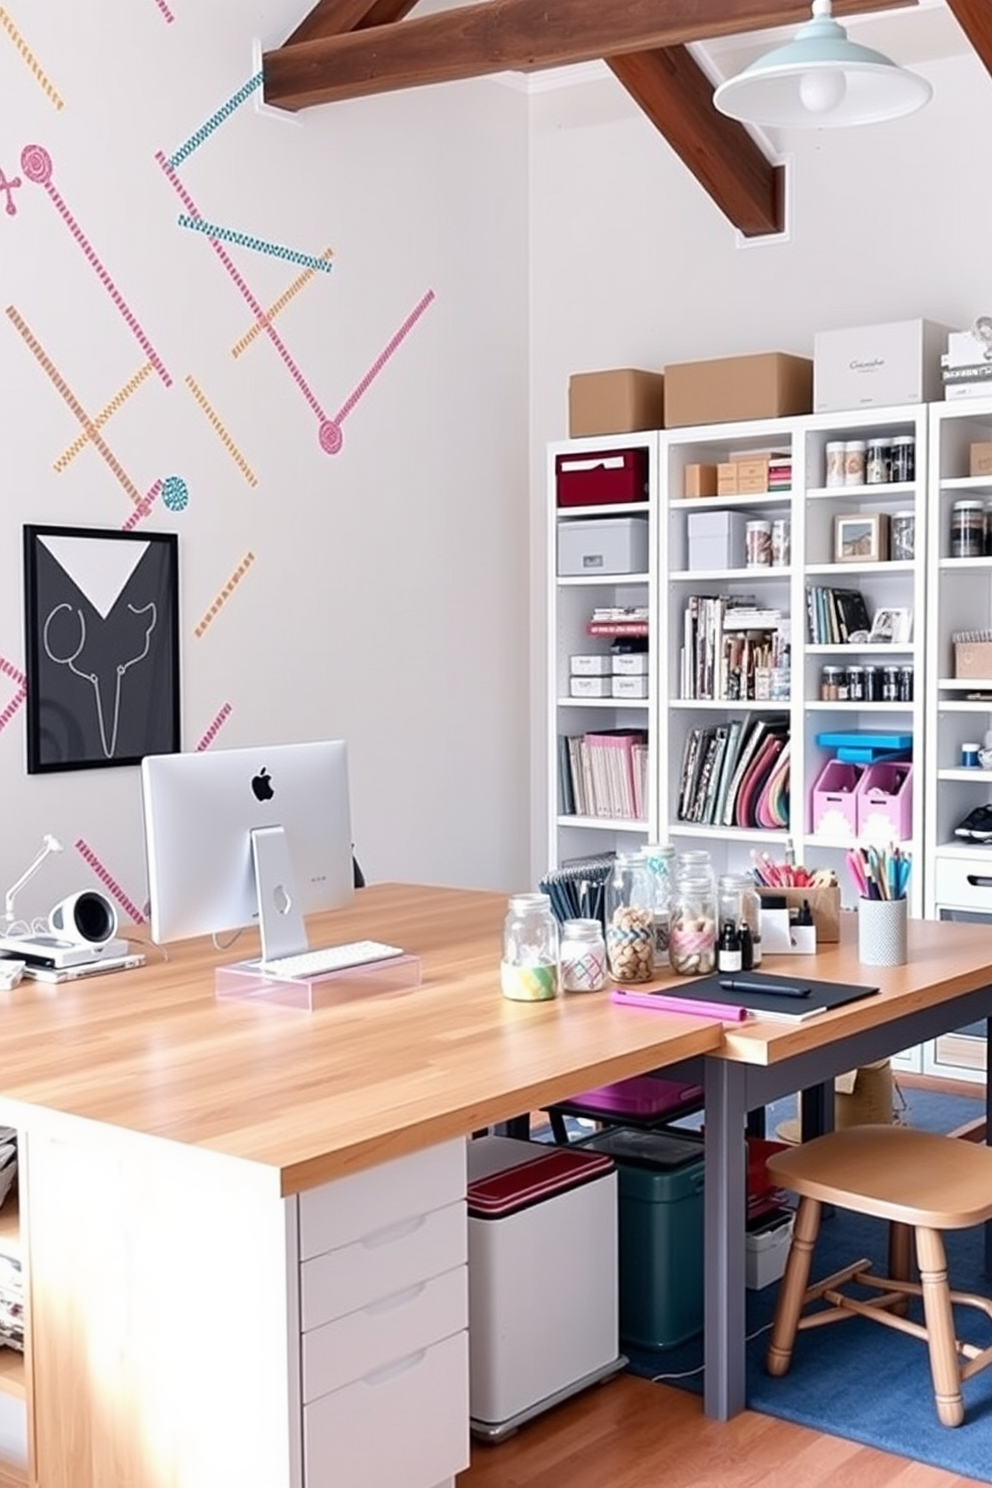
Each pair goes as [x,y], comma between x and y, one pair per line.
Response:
[958,873]
[13,1379]
[573,598]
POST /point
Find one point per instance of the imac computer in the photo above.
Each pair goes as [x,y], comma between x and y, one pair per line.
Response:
[238,837]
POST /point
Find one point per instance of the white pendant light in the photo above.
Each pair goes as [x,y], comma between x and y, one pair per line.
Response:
[820,80]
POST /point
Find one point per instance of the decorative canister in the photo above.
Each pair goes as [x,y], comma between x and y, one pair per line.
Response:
[630,920]
[530,967]
[583,956]
[692,934]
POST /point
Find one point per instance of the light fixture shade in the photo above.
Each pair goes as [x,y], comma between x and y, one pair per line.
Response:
[821,80]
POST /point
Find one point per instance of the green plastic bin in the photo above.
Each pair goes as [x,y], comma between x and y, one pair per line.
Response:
[660,1225]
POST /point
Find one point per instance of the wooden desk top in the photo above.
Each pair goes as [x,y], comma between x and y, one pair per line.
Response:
[316,1095]
[944,959]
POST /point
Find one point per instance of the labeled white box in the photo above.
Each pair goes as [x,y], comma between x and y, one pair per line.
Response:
[591,666]
[615,545]
[767,1249]
[630,687]
[590,687]
[716,539]
[875,365]
[630,663]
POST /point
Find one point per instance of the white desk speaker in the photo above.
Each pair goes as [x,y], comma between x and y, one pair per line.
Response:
[87,918]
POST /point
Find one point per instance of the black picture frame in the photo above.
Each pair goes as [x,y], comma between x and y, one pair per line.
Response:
[101,627]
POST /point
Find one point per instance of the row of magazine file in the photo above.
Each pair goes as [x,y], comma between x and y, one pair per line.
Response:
[604,773]
[736,774]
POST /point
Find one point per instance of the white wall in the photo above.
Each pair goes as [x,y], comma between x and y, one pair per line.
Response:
[388,597]
[632,264]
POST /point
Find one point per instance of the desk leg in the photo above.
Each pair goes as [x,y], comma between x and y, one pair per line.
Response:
[724,1203]
[988,1132]
[817,1110]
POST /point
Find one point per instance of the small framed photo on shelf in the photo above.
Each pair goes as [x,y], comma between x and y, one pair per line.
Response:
[891,627]
[862,537]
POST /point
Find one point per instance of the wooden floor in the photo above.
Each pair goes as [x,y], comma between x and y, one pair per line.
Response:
[630,1433]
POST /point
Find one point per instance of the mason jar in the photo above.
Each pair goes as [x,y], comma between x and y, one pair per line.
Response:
[738,898]
[583,956]
[661,861]
[630,930]
[692,931]
[531,950]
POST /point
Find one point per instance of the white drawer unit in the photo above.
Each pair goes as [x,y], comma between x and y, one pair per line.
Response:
[383,1306]
[381,1263]
[965,882]
[404,1425]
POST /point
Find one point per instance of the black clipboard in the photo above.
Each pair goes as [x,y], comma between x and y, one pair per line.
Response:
[820,998]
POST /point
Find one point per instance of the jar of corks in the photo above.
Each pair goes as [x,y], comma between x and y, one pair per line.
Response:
[630,931]
[692,929]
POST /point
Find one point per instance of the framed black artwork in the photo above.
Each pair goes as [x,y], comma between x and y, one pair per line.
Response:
[101,625]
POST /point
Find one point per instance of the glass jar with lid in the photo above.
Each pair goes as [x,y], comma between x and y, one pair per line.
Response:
[531,949]
[738,899]
[660,859]
[630,897]
[583,956]
[692,934]
[967,529]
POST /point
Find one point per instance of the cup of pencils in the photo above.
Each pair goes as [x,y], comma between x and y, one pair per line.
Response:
[881,875]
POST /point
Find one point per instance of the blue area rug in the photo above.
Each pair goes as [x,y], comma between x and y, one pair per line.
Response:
[857,1379]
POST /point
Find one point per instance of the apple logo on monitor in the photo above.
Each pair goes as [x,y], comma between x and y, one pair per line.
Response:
[262,785]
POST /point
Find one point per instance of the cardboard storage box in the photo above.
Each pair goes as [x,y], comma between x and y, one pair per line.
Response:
[769,385]
[824,904]
[591,666]
[590,687]
[885,802]
[616,402]
[615,545]
[835,802]
[601,478]
[716,539]
[980,461]
[973,659]
[700,480]
[629,687]
[874,365]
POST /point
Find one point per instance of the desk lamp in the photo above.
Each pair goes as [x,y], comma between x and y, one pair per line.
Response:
[50,845]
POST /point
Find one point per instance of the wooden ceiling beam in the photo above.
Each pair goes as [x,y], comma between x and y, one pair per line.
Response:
[975,19]
[499,35]
[333,17]
[677,97]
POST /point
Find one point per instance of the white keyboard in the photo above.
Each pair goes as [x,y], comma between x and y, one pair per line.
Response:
[329,958]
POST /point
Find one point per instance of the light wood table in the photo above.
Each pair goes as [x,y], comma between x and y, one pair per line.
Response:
[165,1137]
[947,983]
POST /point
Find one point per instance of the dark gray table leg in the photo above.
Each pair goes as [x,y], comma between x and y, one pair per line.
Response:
[817,1110]
[725,1201]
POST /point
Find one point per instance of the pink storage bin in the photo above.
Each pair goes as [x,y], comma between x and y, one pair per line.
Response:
[835,809]
[885,802]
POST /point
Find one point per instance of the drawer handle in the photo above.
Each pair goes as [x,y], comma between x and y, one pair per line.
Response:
[612,462]
[392,1371]
[979,880]
[398,1299]
[391,1233]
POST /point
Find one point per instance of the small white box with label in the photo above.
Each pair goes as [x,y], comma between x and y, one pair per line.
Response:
[630,687]
[590,687]
[629,664]
[591,666]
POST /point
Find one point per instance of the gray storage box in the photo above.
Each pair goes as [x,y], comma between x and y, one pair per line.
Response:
[613,545]
[716,539]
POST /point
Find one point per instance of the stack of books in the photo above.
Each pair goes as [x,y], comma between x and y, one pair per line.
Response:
[736,774]
[603,773]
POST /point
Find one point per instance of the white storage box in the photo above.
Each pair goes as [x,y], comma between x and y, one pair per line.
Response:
[591,666]
[716,539]
[874,365]
[543,1280]
[615,545]
[590,687]
[767,1249]
[630,687]
[630,663]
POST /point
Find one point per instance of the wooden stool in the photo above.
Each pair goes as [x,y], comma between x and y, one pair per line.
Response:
[920,1183]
